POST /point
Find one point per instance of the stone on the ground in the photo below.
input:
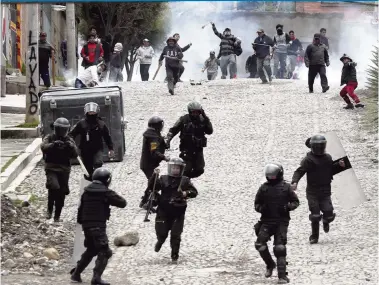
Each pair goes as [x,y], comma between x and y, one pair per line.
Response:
[28,255]
[127,239]
[51,253]
[41,260]
[9,263]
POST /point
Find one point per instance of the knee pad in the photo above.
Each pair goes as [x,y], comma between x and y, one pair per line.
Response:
[328,217]
[260,246]
[280,250]
[315,218]
[107,253]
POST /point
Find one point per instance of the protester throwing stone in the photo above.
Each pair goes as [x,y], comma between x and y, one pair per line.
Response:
[274,200]
[58,148]
[172,204]
[184,49]
[90,77]
[349,77]
[227,52]
[93,213]
[173,55]
[315,58]
[92,130]
[192,127]
[319,167]
[153,149]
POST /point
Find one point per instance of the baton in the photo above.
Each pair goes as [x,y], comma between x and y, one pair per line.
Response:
[150,201]
[155,75]
[82,166]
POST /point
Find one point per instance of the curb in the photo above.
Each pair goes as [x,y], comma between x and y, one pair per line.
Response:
[19,133]
[13,110]
[15,168]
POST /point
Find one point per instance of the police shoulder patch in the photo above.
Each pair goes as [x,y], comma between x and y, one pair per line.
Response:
[153,146]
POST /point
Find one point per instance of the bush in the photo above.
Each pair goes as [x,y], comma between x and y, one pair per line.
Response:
[372,73]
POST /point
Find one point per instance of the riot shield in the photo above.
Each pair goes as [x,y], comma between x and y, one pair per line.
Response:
[79,236]
[346,186]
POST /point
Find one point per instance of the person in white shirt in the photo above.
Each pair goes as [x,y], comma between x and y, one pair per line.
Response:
[90,77]
[145,54]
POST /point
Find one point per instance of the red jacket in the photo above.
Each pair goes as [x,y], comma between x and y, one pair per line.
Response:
[93,51]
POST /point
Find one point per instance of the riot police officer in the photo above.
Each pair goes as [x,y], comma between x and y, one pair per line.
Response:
[319,167]
[93,213]
[153,149]
[92,130]
[172,204]
[274,200]
[58,148]
[192,127]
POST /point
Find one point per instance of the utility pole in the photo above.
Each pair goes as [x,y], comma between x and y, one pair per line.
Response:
[71,38]
[32,68]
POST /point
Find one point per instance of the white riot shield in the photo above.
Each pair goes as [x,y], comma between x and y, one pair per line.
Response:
[79,236]
[346,186]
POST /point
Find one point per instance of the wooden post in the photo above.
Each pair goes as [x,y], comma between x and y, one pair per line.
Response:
[32,69]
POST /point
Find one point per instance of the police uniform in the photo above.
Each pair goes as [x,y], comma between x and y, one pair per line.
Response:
[93,213]
[92,130]
[171,204]
[319,167]
[192,128]
[274,200]
[58,149]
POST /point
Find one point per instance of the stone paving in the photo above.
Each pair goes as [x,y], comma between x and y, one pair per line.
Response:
[253,124]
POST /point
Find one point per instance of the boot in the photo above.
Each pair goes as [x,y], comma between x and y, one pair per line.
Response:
[282,274]
[174,258]
[270,264]
[101,263]
[315,233]
[349,106]
[325,89]
[49,215]
[325,227]
[158,246]
[264,82]
[80,266]
[310,90]
[223,77]
[359,105]
[57,214]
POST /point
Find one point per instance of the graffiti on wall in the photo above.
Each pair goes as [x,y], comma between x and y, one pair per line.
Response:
[34,76]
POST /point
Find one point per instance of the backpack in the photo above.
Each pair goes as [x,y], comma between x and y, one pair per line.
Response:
[238,50]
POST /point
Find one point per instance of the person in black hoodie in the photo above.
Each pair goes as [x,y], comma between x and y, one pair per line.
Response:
[92,130]
[172,204]
[115,74]
[184,49]
[315,58]
[274,200]
[93,213]
[349,77]
[45,51]
[320,168]
[293,50]
[153,149]
[262,46]
[58,148]
[173,55]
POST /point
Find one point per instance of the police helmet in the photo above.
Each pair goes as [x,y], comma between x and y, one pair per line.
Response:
[102,175]
[175,167]
[91,107]
[274,172]
[156,123]
[318,144]
[61,127]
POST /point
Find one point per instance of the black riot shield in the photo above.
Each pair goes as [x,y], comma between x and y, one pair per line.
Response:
[69,103]
[346,185]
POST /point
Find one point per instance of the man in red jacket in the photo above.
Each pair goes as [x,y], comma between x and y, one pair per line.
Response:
[92,52]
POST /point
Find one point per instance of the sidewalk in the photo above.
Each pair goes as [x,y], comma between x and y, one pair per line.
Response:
[14,104]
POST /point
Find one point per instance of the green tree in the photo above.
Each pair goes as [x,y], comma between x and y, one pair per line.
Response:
[128,23]
[372,73]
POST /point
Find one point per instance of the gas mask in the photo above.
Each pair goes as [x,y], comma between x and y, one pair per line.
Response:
[279,31]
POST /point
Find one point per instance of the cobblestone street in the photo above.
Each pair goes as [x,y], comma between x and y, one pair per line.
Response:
[253,124]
